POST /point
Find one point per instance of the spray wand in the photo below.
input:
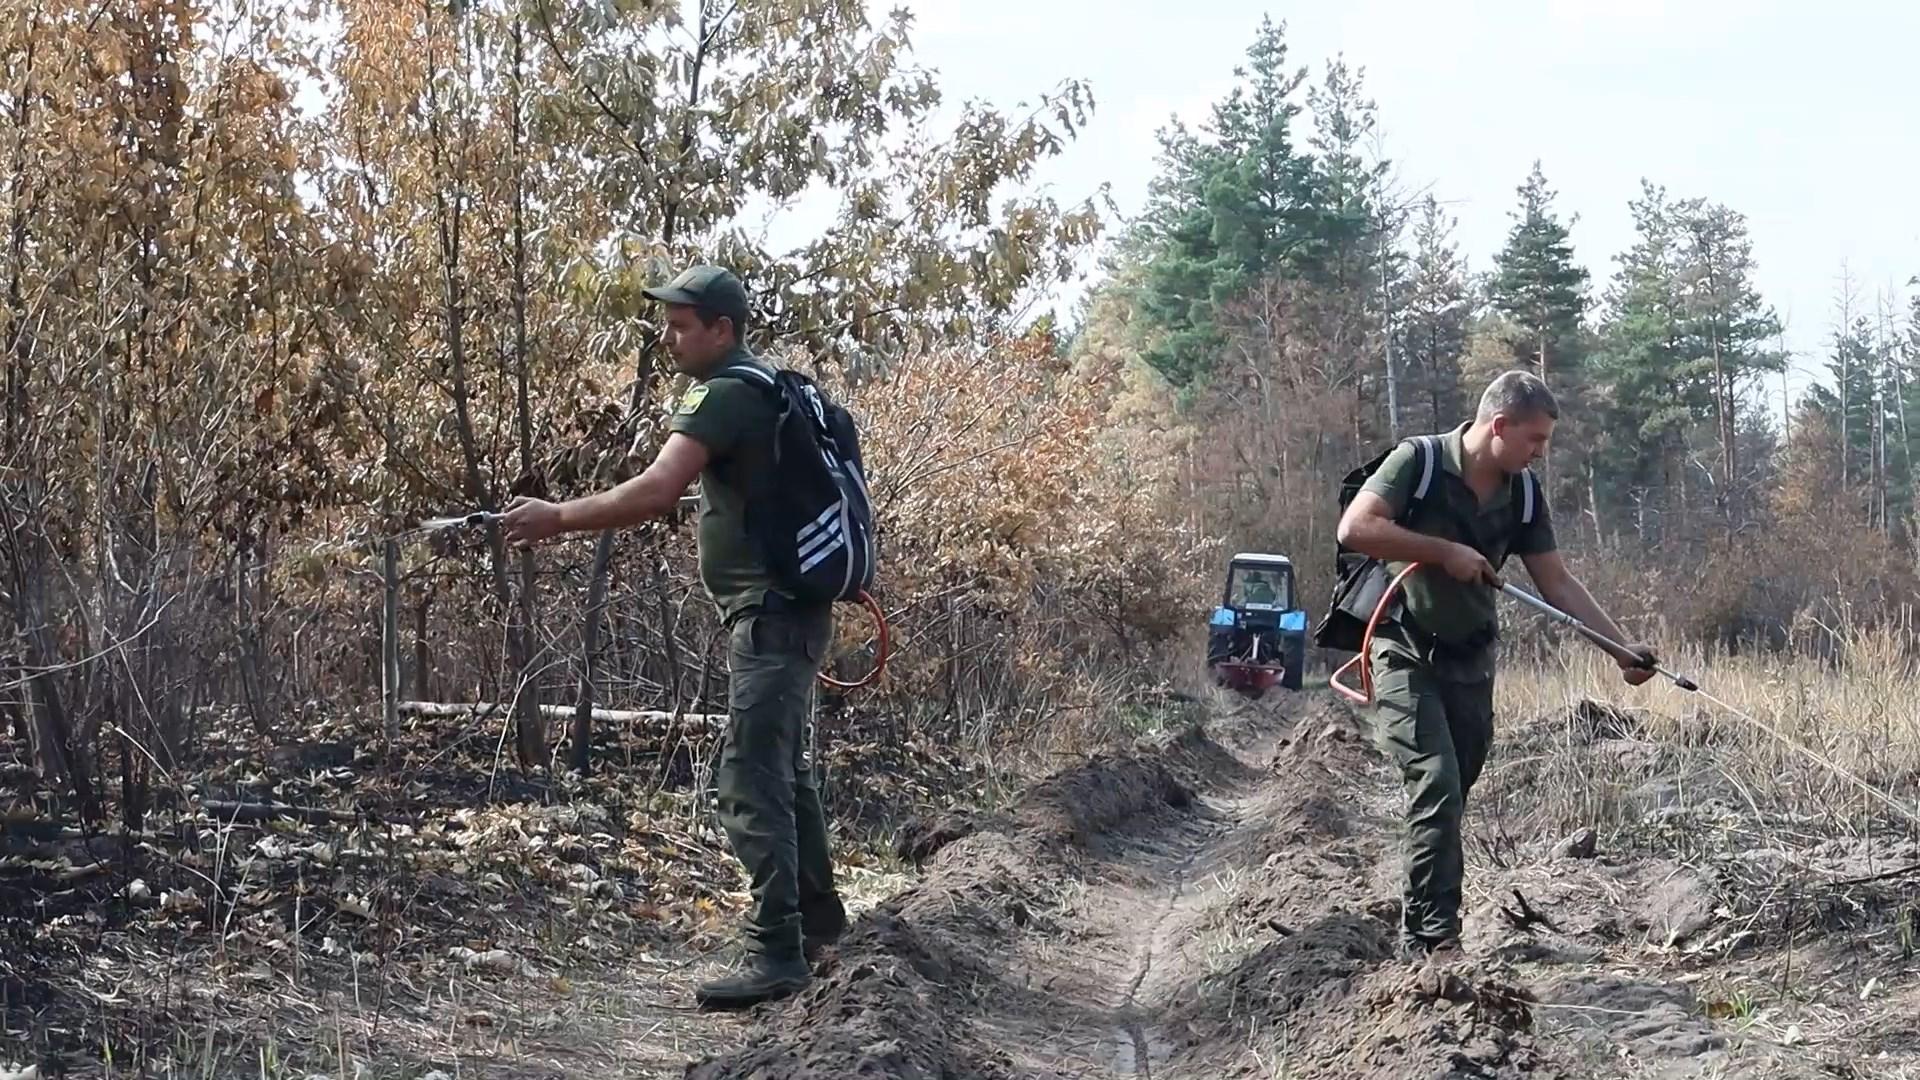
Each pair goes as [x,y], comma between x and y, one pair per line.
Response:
[1613,648]
[478,517]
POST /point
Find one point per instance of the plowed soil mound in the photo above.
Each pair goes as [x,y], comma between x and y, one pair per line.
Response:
[1191,910]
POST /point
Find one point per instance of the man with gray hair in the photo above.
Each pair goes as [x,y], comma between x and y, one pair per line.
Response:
[1459,503]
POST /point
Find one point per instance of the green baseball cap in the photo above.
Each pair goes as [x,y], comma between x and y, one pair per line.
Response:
[711,288]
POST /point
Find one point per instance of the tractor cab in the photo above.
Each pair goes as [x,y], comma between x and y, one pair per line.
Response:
[1258,635]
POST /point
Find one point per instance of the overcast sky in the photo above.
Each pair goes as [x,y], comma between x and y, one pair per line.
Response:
[1799,115]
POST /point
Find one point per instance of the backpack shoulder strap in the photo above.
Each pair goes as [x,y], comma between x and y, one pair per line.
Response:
[1427,449]
[1526,498]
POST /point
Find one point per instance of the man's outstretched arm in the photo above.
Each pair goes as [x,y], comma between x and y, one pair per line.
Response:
[1558,586]
[654,493]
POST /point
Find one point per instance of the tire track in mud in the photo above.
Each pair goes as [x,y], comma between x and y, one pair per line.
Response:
[1141,1064]
[981,970]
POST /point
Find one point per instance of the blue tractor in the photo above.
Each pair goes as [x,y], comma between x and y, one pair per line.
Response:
[1258,636]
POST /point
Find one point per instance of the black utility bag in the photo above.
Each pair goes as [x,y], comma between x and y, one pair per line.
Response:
[811,517]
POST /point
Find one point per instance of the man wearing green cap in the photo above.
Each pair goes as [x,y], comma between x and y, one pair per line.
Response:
[769,797]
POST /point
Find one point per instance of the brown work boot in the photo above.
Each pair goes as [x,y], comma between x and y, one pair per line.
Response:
[760,978]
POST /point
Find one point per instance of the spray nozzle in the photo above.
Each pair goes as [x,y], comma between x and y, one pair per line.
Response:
[478,517]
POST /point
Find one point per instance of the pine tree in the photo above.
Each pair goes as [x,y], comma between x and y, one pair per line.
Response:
[1432,328]
[1639,370]
[1730,326]
[1266,210]
[1849,405]
[1349,220]
[1540,289]
[1233,202]
[1354,256]
[1537,284]
[1903,365]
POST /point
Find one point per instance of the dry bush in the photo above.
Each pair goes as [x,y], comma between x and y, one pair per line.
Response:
[1026,551]
[1782,588]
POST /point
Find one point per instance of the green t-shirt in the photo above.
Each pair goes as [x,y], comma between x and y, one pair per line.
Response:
[1455,612]
[734,420]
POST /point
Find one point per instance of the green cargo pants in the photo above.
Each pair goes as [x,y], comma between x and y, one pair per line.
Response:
[768,793]
[1438,732]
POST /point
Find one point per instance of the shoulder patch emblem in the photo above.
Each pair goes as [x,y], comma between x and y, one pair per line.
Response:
[692,398]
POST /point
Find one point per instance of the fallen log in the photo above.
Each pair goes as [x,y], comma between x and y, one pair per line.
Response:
[456,710]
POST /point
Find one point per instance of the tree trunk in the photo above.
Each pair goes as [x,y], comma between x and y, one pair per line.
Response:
[1546,459]
[1846,402]
[529,733]
[670,642]
[523,357]
[1593,504]
[1877,446]
[1386,334]
[19,351]
[1677,479]
[252,684]
[53,743]
[603,546]
[589,653]
[422,656]
[1723,399]
[1906,437]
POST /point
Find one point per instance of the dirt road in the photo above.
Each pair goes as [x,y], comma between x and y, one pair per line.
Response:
[1222,904]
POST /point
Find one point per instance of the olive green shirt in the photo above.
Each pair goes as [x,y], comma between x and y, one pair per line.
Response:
[1453,614]
[734,420]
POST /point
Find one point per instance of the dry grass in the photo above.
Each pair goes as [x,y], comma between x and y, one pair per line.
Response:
[1665,776]
[1224,937]
[1783,796]
[1859,716]
[541,1020]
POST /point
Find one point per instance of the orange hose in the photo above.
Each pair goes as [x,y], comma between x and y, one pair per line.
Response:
[880,663]
[1364,695]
